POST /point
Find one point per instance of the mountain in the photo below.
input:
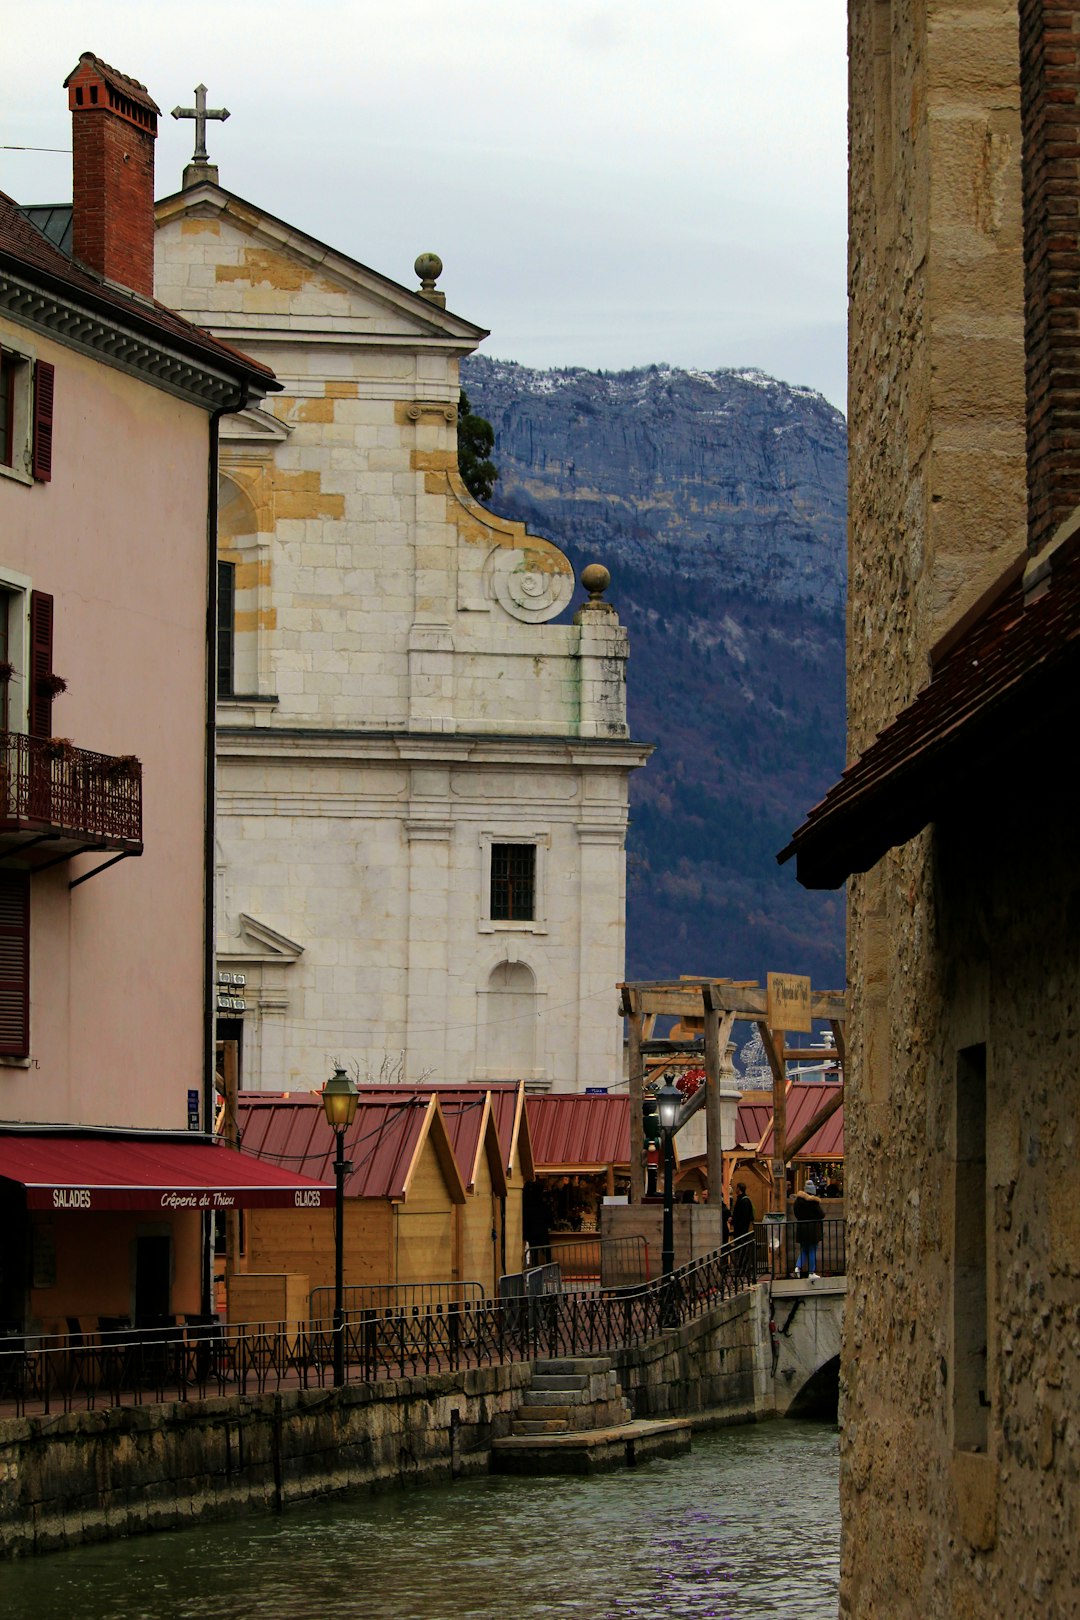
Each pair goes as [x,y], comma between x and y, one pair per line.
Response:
[718,502]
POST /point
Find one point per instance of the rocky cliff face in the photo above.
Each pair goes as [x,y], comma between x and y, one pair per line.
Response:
[718,502]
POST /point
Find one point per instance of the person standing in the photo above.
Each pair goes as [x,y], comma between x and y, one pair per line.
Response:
[809,1219]
[742,1223]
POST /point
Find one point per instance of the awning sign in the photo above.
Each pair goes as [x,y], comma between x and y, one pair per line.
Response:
[90,1173]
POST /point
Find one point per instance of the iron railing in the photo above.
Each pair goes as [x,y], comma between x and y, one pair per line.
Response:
[133,1367]
[594,1262]
[394,1299]
[779,1249]
[48,784]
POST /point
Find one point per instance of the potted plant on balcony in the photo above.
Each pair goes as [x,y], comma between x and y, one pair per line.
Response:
[50,686]
[59,748]
[7,670]
[121,768]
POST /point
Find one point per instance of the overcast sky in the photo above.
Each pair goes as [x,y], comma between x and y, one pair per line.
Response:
[608,182]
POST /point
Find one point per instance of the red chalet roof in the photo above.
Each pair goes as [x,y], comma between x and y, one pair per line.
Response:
[382,1144]
[574,1132]
[23,249]
[469,1117]
[803,1102]
[1007,667]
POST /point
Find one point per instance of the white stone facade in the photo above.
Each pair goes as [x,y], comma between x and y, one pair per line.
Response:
[400,701]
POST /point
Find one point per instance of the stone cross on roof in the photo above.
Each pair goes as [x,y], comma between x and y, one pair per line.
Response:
[200,167]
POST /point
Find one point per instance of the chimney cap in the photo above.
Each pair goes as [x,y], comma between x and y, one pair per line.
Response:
[120,82]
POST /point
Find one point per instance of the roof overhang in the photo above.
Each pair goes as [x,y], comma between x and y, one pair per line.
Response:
[91,1173]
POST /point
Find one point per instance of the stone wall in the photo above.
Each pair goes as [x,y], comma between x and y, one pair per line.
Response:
[719,1363]
[959,1489]
[95,1476]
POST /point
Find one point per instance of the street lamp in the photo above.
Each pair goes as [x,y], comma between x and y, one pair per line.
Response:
[669,1099]
[340,1097]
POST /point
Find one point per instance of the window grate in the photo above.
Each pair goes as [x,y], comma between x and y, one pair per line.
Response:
[513,882]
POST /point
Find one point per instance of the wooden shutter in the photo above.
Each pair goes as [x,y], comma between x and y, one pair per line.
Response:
[41,655]
[14,964]
[44,387]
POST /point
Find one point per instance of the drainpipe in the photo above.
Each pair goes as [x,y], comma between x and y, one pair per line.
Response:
[209,955]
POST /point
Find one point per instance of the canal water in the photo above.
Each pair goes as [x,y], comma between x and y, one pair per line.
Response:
[745,1528]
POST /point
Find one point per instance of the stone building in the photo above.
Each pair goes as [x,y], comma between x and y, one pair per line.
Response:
[954,821]
[422,780]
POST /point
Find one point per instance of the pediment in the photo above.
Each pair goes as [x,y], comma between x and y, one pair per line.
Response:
[284,271]
[254,426]
[258,942]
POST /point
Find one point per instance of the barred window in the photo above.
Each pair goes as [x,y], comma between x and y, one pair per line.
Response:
[513,882]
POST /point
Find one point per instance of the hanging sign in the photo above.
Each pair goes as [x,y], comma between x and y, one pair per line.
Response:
[789,1002]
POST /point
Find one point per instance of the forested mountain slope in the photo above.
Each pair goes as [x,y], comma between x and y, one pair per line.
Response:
[717,500]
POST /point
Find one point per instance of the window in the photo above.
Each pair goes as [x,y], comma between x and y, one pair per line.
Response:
[14,650]
[226,629]
[513,882]
[27,388]
[970,1390]
[513,866]
[14,964]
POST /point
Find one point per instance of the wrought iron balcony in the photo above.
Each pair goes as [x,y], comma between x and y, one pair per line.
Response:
[57,800]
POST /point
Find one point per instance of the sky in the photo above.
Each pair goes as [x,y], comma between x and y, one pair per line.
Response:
[609,183]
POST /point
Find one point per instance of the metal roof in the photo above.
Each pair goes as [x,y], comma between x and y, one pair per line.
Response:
[571,1131]
[53,220]
[382,1143]
[470,1125]
[803,1102]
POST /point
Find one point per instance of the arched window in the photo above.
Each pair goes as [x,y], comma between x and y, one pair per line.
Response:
[240,576]
[510,1010]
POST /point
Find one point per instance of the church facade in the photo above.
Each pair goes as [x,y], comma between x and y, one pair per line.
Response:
[422,779]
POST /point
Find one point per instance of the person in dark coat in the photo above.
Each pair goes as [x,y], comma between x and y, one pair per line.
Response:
[809,1217]
[742,1223]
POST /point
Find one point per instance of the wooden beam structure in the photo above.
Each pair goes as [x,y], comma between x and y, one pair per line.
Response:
[716,1004]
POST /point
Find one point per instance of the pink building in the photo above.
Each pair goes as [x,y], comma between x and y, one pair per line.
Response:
[108,435]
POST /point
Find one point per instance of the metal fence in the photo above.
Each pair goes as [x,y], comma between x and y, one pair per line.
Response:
[595,1262]
[183,1363]
[779,1250]
[395,1299]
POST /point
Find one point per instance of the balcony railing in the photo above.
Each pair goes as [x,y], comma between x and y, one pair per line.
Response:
[51,789]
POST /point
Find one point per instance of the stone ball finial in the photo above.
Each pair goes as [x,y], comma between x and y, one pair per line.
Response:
[429,268]
[596,579]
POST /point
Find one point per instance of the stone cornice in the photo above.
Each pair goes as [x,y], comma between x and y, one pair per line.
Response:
[92,332]
[311,745]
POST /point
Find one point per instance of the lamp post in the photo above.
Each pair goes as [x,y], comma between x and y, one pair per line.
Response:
[340,1097]
[669,1099]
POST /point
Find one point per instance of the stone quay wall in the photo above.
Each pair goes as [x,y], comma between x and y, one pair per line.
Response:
[720,1364]
[96,1476]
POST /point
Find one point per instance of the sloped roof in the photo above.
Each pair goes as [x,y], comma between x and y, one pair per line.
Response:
[383,1143]
[803,1102]
[24,249]
[470,1125]
[753,1118]
[53,220]
[574,1132]
[1008,665]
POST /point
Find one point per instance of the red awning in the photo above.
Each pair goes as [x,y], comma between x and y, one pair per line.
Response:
[96,1173]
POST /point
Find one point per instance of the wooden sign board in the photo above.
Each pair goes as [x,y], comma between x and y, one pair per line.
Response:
[789,1001]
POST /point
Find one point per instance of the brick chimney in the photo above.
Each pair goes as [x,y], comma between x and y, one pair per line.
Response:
[113,130]
[1050,120]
